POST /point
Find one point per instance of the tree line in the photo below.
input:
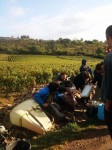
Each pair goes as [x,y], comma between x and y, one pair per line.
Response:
[61,46]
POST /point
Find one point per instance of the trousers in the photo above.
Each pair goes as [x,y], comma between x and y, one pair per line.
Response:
[54,110]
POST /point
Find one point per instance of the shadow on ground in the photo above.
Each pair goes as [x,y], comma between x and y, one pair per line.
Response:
[69,133]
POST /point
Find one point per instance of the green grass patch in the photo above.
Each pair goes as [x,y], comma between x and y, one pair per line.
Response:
[70,132]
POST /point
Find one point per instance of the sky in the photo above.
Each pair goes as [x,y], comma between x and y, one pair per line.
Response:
[54,19]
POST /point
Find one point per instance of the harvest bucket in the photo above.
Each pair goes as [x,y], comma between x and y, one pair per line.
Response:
[29,115]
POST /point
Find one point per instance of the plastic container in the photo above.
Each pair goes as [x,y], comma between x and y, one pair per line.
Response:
[101,111]
[29,115]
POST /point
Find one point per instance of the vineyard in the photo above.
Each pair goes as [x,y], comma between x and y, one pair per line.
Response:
[20,73]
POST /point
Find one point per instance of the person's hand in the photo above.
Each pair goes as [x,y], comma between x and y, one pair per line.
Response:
[77,95]
[45,104]
[108,49]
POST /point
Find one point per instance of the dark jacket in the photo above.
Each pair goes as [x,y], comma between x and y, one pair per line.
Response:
[83,68]
[106,87]
[79,82]
[97,78]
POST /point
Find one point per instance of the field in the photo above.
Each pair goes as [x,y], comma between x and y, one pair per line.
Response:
[20,73]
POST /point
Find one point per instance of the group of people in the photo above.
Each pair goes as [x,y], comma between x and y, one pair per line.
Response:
[63,93]
[54,97]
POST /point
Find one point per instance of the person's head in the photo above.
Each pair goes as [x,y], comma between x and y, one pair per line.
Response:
[84,61]
[109,36]
[53,86]
[99,68]
[63,76]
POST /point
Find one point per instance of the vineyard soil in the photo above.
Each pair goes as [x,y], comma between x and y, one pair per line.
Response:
[96,138]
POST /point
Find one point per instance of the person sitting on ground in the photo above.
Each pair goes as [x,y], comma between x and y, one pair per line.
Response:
[66,99]
[64,96]
[81,80]
[97,80]
[98,75]
[62,79]
[45,98]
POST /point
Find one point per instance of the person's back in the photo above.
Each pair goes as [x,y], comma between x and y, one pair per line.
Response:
[97,78]
[41,96]
[81,80]
[98,75]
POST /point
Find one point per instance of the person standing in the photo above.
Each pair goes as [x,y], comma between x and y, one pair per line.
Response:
[83,67]
[106,87]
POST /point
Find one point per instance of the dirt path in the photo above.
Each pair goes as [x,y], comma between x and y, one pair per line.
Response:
[106,146]
[103,143]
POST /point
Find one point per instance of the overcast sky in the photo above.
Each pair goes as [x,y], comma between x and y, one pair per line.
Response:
[54,19]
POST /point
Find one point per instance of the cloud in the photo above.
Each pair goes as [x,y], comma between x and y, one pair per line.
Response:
[90,24]
[15,11]
[11,1]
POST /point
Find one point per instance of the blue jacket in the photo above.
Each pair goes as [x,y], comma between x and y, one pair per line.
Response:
[41,96]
